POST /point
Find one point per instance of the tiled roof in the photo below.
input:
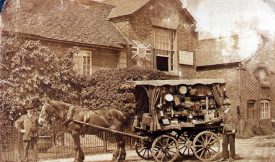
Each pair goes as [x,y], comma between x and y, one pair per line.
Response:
[217,51]
[65,20]
[128,7]
[125,7]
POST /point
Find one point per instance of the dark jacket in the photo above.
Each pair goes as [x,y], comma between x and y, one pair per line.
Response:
[29,124]
[230,121]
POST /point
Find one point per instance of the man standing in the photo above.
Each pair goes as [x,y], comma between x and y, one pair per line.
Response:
[28,125]
[229,130]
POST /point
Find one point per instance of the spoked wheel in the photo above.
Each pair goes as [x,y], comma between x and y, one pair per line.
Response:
[143,149]
[165,149]
[185,146]
[206,146]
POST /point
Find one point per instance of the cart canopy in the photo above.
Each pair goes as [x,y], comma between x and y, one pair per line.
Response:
[153,91]
[157,83]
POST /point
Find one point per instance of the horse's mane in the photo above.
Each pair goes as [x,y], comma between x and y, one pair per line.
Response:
[55,102]
[66,105]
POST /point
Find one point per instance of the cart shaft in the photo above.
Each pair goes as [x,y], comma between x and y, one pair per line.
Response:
[110,130]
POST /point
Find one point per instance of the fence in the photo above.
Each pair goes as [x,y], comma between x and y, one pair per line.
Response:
[56,146]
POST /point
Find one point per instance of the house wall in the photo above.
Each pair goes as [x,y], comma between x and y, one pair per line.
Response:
[140,27]
[232,78]
[242,86]
[252,89]
[102,58]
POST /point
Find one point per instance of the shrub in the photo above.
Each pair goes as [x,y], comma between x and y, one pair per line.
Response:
[31,71]
[106,92]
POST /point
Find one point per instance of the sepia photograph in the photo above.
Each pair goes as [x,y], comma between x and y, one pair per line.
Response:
[137,80]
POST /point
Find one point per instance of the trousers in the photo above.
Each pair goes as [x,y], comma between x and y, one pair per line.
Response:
[228,140]
[30,145]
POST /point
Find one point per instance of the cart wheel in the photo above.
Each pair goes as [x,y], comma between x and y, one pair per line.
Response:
[206,146]
[143,149]
[185,146]
[165,148]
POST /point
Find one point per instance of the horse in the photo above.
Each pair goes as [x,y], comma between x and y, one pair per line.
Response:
[108,118]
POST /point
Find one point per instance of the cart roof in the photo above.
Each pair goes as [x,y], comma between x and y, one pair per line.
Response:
[176,82]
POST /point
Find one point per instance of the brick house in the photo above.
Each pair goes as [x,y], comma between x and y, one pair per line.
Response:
[162,34]
[157,34]
[63,24]
[248,81]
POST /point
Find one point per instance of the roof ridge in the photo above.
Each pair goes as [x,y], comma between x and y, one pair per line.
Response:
[264,45]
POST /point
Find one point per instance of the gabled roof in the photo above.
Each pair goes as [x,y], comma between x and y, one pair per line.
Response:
[265,45]
[128,7]
[216,52]
[124,7]
[65,20]
[271,4]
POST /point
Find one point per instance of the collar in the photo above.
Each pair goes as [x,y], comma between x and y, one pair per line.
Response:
[226,110]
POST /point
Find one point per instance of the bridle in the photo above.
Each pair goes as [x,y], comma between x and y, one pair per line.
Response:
[44,116]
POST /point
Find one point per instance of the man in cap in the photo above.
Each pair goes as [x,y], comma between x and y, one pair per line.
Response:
[229,131]
[28,125]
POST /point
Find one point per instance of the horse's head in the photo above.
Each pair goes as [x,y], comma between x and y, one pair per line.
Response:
[45,114]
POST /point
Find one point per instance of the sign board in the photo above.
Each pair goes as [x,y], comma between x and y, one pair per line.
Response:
[186,58]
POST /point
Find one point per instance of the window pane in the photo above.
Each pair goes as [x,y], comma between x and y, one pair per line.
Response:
[262,105]
[162,63]
[265,109]
[82,62]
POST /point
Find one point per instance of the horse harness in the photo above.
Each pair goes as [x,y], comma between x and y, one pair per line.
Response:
[70,114]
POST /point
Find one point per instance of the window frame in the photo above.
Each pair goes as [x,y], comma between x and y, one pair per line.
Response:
[265,109]
[167,45]
[81,66]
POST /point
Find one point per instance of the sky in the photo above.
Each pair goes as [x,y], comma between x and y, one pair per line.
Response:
[222,18]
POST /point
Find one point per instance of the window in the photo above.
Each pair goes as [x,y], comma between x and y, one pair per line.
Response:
[164,46]
[251,109]
[83,62]
[265,109]
[186,58]
[263,76]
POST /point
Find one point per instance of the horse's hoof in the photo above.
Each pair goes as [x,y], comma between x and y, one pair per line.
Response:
[78,160]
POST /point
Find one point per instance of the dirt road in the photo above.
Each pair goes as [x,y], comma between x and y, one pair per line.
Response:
[256,149]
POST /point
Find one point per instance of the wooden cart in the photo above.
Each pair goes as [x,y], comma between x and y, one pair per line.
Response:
[178,117]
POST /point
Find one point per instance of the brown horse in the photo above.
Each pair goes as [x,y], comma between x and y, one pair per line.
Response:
[110,118]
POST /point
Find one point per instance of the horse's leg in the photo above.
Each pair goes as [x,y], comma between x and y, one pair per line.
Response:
[119,153]
[122,143]
[79,155]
